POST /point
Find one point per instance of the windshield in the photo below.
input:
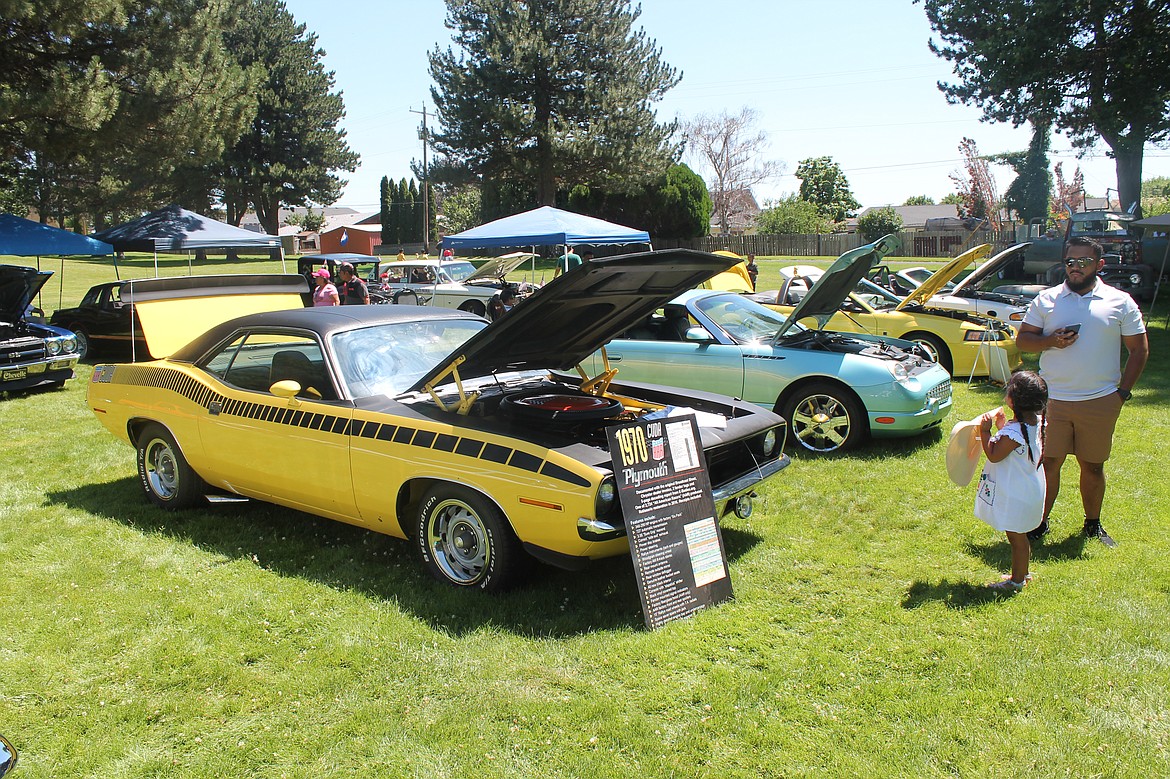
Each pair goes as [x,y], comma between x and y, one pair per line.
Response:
[388,358]
[458,271]
[1099,225]
[875,295]
[743,320]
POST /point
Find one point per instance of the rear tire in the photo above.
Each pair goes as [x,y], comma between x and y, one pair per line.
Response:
[823,418]
[935,349]
[466,541]
[474,307]
[166,478]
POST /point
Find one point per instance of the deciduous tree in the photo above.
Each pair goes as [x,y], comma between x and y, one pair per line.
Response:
[823,183]
[791,215]
[876,222]
[732,151]
[552,93]
[1098,68]
[976,185]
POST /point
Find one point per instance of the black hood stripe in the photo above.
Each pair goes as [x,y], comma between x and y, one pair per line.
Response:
[202,395]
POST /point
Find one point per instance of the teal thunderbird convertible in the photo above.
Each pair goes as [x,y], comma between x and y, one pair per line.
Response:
[834,389]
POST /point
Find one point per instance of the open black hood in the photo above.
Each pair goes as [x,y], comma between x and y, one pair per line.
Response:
[18,286]
[577,313]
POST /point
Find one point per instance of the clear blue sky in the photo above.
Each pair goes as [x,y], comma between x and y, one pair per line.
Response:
[849,79]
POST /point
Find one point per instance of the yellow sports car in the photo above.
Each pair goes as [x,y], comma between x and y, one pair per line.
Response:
[964,344]
[424,423]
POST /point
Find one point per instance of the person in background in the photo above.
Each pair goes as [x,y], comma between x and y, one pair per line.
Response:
[569,260]
[324,294]
[1011,489]
[401,255]
[501,303]
[753,270]
[1079,328]
[353,290]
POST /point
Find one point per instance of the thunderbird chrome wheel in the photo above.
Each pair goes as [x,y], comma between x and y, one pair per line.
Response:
[166,478]
[824,419]
[465,540]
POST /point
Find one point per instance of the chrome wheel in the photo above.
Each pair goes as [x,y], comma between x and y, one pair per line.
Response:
[465,540]
[459,542]
[824,419]
[161,469]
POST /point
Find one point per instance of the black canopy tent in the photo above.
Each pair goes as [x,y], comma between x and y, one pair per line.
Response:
[174,229]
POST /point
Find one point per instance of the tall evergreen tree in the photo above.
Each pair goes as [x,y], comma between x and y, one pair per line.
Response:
[384,211]
[1098,68]
[1029,194]
[102,100]
[289,154]
[552,92]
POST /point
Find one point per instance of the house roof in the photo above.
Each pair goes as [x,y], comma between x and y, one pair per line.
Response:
[914,217]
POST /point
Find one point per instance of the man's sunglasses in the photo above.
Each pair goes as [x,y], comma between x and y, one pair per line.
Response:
[1079,262]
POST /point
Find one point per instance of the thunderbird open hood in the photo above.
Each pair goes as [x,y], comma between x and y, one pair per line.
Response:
[830,290]
[578,312]
[976,277]
[943,276]
[174,311]
[18,286]
[498,268]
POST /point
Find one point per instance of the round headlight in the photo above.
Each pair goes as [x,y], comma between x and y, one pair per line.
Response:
[53,346]
[769,442]
[69,345]
[899,370]
[1135,279]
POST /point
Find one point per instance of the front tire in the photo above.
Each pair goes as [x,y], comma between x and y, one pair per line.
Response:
[465,540]
[823,419]
[166,478]
[82,338]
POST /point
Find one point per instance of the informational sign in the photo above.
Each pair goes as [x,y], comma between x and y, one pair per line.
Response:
[665,495]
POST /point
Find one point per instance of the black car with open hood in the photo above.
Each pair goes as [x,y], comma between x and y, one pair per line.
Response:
[32,354]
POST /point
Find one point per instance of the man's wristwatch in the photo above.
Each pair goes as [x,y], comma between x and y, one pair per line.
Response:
[1125,394]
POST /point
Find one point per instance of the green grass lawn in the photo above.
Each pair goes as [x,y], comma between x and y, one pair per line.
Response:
[252,641]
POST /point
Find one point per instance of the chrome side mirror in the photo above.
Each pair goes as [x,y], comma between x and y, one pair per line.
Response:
[7,756]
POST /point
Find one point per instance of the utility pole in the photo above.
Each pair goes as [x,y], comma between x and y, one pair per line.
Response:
[426,191]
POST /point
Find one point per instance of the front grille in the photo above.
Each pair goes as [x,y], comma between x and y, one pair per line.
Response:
[21,350]
[729,461]
[941,392]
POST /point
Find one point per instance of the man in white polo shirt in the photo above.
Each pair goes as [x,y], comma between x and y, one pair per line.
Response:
[1079,329]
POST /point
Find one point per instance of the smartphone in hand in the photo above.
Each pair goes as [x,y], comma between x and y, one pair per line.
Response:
[1072,328]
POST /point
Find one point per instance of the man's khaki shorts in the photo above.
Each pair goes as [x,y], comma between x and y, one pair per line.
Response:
[1083,428]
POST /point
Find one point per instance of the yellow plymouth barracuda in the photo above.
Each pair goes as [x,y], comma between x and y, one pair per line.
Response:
[423,423]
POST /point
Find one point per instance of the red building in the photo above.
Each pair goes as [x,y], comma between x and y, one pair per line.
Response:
[359,239]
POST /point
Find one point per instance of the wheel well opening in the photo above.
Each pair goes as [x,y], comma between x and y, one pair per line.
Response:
[796,387]
[410,495]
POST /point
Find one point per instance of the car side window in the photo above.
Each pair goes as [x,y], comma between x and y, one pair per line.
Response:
[258,360]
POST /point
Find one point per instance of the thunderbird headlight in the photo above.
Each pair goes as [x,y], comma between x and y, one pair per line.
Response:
[1018,316]
[606,497]
[983,335]
[53,347]
[769,442]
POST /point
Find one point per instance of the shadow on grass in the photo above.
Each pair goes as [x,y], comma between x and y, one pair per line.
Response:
[998,555]
[954,595]
[552,603]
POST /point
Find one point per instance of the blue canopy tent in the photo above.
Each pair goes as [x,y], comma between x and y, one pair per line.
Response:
[174,229]
[544,226]
[26,238]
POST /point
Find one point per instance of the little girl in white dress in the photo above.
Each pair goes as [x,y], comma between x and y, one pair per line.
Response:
[1011,488]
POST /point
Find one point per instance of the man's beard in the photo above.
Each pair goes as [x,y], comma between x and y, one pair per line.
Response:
[1086,283]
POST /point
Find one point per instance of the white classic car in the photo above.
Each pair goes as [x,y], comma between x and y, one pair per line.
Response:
[451,283]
